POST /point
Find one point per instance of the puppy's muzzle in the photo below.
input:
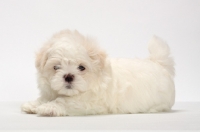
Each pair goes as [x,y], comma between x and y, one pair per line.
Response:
[68,78]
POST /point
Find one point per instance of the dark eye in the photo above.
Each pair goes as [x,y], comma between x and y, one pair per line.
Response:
[81,68]
[56,67]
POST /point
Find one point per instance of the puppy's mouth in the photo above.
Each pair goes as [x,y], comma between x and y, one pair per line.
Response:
[69,86]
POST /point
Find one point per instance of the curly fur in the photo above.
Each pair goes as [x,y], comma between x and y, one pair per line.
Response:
[107,85]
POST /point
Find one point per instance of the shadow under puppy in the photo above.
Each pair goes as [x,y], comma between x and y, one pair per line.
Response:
[75,77]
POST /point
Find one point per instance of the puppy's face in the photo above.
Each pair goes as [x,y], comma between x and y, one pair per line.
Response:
[70,66]
[68,70]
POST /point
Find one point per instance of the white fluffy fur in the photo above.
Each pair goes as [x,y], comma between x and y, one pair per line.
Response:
[107,86]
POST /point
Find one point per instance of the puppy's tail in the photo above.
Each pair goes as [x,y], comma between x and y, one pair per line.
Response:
[160,53]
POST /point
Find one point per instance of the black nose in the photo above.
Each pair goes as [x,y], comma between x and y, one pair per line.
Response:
[69,78]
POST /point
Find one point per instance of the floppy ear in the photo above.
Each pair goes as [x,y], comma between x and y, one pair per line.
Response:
[97,55]
[41,58]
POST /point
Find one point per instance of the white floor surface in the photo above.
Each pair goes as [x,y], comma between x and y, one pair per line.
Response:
[184,116]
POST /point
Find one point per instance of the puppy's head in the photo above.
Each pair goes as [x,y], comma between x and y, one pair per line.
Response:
[70,62]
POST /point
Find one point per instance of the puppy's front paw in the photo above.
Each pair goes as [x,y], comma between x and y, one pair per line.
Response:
[50,109]
[30,107]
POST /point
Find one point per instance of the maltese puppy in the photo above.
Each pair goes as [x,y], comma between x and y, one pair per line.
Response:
[75,77]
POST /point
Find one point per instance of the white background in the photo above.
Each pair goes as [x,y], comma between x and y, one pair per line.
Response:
[122,27]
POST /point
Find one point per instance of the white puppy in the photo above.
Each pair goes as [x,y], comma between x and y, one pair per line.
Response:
[76,77]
